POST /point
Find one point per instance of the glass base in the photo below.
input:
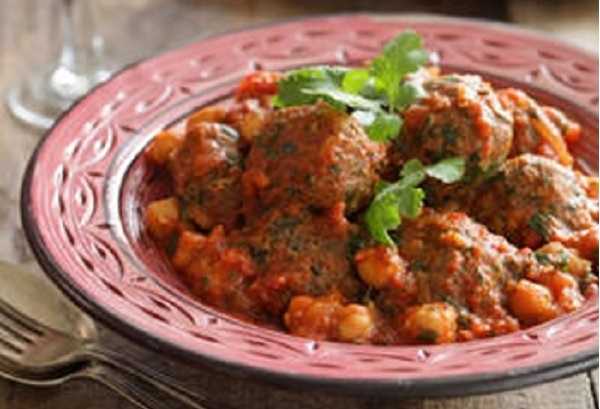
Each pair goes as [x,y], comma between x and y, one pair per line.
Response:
[39,100]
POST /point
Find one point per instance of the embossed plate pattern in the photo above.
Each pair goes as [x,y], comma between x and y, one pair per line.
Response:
[85,188]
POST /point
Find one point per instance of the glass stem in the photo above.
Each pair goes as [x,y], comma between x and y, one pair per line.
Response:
[80,64]
[67,54]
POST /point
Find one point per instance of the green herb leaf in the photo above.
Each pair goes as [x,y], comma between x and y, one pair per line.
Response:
[410,202]
[366,91]
[539,223]
[407,94]
[340,98]
[299,86]
[404,199]
[365,118]
[413,172]
[381,216]
[448,170]
[542,258]
[402,55]
[355,81]
[380,126]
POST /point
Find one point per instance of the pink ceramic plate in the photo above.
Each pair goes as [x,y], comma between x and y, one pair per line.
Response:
[85,186]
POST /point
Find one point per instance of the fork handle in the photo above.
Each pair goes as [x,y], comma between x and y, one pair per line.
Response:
[138,389]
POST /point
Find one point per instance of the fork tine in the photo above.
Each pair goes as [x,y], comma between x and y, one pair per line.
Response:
[8,329]
[19,323]
[8,343]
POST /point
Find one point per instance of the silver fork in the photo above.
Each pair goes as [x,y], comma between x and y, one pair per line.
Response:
[37,354]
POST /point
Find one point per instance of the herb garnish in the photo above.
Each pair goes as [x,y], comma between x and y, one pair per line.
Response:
[539,223]
[404,198]
[428,335]
[374,95]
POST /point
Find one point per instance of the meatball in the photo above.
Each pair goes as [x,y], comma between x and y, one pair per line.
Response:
[456,260]
[451,279]
[207,172]
[540,130]
[315,155]
[535,200]
[448,280]
[299,253]
[460,115]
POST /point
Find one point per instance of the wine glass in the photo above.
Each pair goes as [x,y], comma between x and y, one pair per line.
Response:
[40,97]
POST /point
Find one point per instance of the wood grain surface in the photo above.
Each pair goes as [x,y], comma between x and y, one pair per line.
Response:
[137,28]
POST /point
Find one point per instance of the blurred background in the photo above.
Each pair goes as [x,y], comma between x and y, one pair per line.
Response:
[122,31]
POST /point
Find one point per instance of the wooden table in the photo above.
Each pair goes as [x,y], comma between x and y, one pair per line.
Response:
[135,29]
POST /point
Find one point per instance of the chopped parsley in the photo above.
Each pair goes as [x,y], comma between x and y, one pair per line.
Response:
[449,134]
[404,198]
[375,95]
[172,243]
[542,258]
[427,335]
[560,260]
[539,223]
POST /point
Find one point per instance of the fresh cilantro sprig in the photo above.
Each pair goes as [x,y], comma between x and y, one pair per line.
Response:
[305,86]
[404,199]
[401,56]
[374,94]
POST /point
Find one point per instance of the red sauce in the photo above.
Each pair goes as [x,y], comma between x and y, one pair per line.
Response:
[265,222]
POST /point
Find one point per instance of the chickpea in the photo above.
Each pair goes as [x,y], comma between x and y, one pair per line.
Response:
[355,323]
[532,303]
[251,124]
[248,118]
[565,290]
[209,114]
[578,266]
[378,265]
[311,317]
[163,147]
[434,323]
[162,218]
[188,245]
[566,259]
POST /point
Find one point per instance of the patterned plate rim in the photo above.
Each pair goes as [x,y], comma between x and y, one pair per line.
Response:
[405,387]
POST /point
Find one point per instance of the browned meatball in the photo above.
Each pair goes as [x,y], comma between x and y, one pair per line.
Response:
[299,253]
[451,279]
[315,155]
[207,173]
[448,280]
[535,200]
[457,260]
[459,116]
